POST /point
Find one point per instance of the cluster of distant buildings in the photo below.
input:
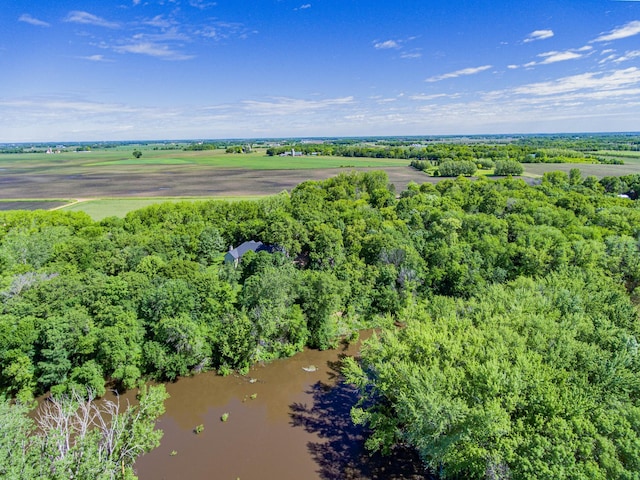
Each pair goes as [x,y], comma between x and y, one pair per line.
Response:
[291,153]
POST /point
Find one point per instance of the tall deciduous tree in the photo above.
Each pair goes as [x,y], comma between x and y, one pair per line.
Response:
[533,380]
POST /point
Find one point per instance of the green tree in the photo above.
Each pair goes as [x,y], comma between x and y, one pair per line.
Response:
[535,379]
[77,438]
[508,167]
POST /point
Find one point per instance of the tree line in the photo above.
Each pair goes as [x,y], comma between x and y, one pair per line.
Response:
[519,352]
[438,153]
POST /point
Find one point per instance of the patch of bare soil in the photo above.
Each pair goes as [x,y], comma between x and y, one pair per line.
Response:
[177,182]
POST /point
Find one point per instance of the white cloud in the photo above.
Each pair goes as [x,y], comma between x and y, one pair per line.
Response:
[201,4]
[386,45]
[587,81]
[414,54]
[434,96]
[629,55]
[291,106]
[223,31]
[25,17]
[96,58]
[554,57]
[87,18]
[459,73]
[152,49]
[53,104]
[539,35]
[608,58]
[628,30]
[56,119]
[159,21]
[305,6]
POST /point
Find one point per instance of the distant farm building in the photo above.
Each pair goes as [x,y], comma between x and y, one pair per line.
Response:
[292,153]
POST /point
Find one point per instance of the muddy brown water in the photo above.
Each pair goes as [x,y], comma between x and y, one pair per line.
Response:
[283,423]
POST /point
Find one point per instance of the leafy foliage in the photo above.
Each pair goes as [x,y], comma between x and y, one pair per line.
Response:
[77,438]
[519,352]
[531,378]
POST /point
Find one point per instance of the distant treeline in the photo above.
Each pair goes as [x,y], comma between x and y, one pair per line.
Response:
[438,153]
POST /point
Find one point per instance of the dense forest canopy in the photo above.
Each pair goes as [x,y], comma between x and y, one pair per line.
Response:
[518,354]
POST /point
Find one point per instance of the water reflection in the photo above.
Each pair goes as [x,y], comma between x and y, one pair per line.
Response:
[339,451]
[286,421]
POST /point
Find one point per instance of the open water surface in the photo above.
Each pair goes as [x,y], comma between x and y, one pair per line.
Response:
[296,427]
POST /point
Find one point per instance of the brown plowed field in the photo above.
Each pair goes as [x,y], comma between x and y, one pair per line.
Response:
[179,182]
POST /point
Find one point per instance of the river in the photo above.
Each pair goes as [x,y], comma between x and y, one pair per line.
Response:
[284,422]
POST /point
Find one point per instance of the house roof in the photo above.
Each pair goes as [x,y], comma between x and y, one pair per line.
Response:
[250,246]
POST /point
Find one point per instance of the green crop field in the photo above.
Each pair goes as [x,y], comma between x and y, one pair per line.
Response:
[628,157]
[599,170]
[119,158]
[118,207]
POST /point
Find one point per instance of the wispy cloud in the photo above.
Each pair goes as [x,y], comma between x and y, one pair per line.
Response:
[434,96]
[459,73]
[539,35]
[586,81]
[628,30]
[152,49]
[26,18]
[630,55]
[411,55]
[159,21]
[202,4]
[400,45]
[164,37]
[290,106]
[96,58]
[219,30]
[87,18]
[555,57]
[303,7]
[385,45]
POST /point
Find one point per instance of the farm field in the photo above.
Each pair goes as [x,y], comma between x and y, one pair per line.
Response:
[599,170]
[31,204]
[111,181]
[101,208]
[628,157]
[115,159]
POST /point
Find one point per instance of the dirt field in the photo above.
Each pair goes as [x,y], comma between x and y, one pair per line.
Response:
[27,205]
[586,168]
[177,182]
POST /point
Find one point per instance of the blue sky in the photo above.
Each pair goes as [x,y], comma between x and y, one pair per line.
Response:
[196,69]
